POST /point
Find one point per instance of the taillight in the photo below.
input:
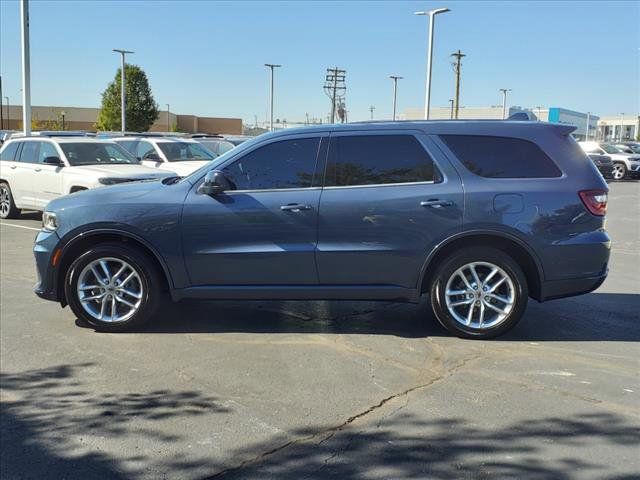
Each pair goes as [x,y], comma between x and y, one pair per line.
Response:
[595,201]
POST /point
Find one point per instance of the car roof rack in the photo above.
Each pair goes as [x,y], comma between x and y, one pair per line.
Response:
[64,133]
[206,135]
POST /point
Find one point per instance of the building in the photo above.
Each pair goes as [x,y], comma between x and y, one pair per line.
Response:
[80,118]
[611,128]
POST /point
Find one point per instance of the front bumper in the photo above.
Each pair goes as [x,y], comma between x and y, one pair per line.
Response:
[45,245]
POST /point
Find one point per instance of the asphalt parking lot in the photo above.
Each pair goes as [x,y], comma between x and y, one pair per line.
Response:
[323,389]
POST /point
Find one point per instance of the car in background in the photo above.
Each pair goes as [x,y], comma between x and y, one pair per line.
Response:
[181,156]
[36,170]
[603,163]
[5,135]
[237,139]
[625,165]
[216,144]
[628,147]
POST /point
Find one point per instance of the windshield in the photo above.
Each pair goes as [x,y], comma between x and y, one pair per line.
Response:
[90,153]
[217,146]
[184,151]
[610,148]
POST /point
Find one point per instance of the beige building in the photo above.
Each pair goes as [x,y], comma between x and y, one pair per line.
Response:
[81,118]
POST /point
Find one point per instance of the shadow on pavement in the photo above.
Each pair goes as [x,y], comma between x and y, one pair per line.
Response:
[593,317]
[48,416]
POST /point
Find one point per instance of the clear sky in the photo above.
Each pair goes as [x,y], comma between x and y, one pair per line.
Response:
[207,58]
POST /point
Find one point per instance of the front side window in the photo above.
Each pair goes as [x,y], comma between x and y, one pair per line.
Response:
[86,153]
[284,164]
[29,153]
[9,152]
[144,149]
[377,160]
[501,157]
[47,150]
[128,145]
[184,151]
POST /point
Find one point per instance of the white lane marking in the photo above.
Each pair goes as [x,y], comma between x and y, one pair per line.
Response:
[557,374]
[628,390]
[20,226]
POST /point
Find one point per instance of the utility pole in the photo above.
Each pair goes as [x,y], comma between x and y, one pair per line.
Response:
[26,68]
[456,67]
[371,109]
[123,116]
[504,101]
[451,102]
[395,79]
[271,66]
[586,130]
[334,84]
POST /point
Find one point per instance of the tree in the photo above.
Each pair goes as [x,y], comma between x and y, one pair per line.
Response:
[141,109]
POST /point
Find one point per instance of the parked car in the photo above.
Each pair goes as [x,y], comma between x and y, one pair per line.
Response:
[179,155]
[603,163]
[215,144]
[629,147]
[36,170]
[476,215]
[625,165]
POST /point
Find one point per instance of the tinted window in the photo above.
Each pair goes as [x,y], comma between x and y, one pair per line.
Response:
[144,149]
[29,152]
[47,150]
[285,164]
[501,157]
[377,160]
[128,145]
[89,153]
[184,151]
[9,152]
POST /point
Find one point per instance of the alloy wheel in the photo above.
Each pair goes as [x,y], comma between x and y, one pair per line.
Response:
[480,295]
[618,171]
[110,289]
[5,201]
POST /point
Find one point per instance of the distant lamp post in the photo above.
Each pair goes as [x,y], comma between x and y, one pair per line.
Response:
[451,102]
[587,128]
[539,109]
[123,117]
[395,79]
[62,114]
[431,14]
[271,66]
[504,101]
[8,114]
[168,119]
[621,127]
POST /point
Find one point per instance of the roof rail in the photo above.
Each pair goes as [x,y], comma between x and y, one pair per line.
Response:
[65,133]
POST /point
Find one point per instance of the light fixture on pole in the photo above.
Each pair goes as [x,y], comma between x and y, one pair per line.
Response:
[395,79]
[431,14]
[504,101]
[122,89]
[271,66]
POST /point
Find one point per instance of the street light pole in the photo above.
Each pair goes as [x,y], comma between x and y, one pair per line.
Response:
[271,66]
[8,114]
[431,14]
[621,126]
[504,101]
[371,109]
[451,102]
[395,79]
[586,130]
[168,119]
[26,68]
[63,113]
[122,89]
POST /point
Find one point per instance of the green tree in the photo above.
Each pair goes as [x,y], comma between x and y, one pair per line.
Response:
[141,108]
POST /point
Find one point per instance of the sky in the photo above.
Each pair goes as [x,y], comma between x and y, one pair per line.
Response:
[207,58]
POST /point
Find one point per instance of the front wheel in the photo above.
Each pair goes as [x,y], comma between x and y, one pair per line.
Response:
[619,171]
[479,293]
[113,287]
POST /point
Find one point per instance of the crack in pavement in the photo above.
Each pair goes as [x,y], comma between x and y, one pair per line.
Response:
[331,431]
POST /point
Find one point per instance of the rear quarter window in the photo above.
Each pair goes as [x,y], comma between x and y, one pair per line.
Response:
[501,157]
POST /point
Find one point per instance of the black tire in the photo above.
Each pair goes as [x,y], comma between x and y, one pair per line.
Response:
[7,210]
[148,274]
[482,255]
[622,168]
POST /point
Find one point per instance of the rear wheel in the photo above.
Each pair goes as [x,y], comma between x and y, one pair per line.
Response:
[479,293]
[113,287]
[8,207]
[619,171]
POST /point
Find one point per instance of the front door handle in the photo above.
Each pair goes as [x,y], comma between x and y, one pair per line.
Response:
[13,167]
[37,169]
[294,207]
[435,203]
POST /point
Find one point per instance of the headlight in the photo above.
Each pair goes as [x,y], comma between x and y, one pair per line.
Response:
[49,221]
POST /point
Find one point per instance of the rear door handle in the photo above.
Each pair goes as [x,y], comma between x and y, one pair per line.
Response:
[294,207]
[435,203]
[38,168]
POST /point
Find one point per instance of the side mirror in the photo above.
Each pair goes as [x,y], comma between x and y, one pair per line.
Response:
[154,157]
[215,182]
[53,161]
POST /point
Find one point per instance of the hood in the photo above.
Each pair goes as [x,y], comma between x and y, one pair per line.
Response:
[183,169]
[119,171]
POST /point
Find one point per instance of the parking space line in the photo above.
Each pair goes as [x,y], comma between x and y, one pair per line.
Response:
[19,226]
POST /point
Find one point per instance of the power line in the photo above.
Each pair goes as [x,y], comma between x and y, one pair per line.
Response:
[333,86]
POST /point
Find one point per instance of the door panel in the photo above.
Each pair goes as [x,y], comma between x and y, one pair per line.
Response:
[47,180]
[382,234]
[25,173]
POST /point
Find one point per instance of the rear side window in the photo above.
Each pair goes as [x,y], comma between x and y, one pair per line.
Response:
[9,152]
[377,160]
[285,164]
[501,157]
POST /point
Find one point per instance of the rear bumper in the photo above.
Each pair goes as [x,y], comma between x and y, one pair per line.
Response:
[45,245]
[554,289]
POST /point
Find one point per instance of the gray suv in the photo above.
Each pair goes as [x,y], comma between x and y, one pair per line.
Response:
[477,216]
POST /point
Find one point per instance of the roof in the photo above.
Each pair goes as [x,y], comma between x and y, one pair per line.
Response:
[154,139]
[67,139]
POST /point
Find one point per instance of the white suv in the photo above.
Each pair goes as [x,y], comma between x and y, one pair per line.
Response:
[624,164]
[35,170]
[179,155]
